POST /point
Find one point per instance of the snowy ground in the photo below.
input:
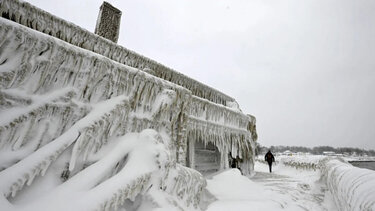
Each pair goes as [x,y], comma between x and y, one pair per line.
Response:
[283,189]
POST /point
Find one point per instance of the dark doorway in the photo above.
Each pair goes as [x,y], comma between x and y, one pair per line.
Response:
[207,158]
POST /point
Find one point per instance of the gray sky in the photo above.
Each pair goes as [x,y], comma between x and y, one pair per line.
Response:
[305,69]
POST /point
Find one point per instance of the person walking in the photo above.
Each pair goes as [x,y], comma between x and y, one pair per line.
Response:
[269,158]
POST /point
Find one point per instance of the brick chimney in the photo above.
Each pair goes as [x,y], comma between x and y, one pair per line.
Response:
[108,22]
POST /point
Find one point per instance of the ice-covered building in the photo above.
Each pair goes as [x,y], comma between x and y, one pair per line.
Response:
[67,95]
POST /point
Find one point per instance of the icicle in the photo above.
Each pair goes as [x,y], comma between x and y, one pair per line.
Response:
[13,190]
[24,132]
[106,206]
[32,175]
[45,167]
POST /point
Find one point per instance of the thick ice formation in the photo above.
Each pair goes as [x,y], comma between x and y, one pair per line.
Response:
[352,188]
[35,18]
[227,128]
[97,78]
[56,97]
[146,164]
[64,104]
[311,162]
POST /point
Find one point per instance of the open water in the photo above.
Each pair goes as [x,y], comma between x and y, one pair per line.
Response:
[364,164]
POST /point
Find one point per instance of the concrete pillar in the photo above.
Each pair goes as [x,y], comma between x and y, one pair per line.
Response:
[108,22]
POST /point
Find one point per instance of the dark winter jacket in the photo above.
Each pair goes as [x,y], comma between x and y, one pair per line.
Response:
[269,157]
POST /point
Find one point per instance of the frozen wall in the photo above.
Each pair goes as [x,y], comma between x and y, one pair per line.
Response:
[308,162]
[351,187]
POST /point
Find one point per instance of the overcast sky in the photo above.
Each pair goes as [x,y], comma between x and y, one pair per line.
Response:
[305,69]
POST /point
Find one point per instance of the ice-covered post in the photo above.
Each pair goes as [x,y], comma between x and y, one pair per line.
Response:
[108,23]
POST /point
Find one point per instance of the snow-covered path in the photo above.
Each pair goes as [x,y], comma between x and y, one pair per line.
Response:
[283,189]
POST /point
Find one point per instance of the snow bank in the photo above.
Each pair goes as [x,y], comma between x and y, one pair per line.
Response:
[182,188]
[352,188]
[233,191]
